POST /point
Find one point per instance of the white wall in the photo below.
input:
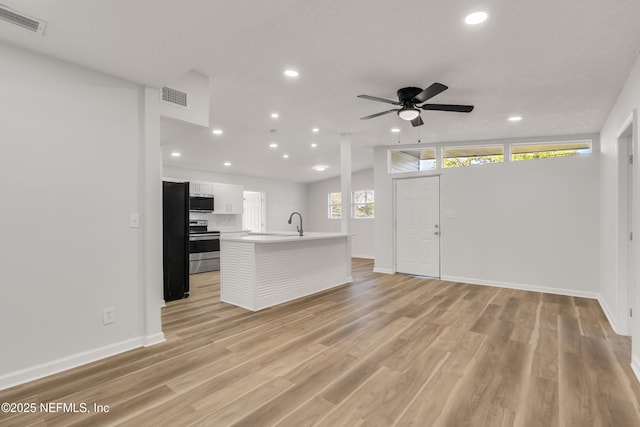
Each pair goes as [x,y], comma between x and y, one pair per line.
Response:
[196,85]
[383,226]
[283,197]
[530,225]
[317,217]
[70,177]
[612,243]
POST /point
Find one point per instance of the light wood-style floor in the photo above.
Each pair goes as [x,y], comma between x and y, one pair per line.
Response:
[386,350]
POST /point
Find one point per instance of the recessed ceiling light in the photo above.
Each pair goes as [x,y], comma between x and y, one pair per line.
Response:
[320,168]
[275,115]
[476,18]
[291,73]
[175,154]
[314,145]
[515,118]
[285,156]
[273,145]
[395,130]
[217,131]
[227,163]
[315,130]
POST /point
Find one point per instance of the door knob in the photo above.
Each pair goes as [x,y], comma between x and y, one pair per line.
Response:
[436,232]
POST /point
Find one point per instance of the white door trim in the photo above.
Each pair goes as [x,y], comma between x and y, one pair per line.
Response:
[438,263]
[628,202]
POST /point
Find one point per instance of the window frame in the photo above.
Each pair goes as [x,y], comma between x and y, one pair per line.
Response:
[471,158]
[330,205]
[366,202]
[549,143]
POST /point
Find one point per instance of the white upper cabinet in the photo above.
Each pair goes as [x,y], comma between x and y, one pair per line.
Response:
[227,198]
[196,187]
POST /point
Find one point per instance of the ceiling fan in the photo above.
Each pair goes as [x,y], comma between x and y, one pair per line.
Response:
[410,97]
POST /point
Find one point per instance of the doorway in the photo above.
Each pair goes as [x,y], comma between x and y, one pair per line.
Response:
[417,202]
[627,206]
[254,212]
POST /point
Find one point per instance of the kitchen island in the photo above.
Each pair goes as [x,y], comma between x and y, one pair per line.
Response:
[265,269]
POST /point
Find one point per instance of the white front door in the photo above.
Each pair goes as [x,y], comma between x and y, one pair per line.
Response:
[418,226]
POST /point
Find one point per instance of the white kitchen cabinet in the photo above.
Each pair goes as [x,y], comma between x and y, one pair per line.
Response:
[228,198]
[196,187]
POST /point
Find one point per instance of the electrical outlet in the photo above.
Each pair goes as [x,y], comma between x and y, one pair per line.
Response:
[134,220]
[108,316]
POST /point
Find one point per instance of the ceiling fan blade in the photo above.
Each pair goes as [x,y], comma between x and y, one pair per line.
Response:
[448,107]
[429,92]
[417,122]
[379,114]
[375,98]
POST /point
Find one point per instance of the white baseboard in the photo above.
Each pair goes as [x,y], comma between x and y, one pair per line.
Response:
[154,339]
[610,317]
[522,287]
[635,366]
[362,256]
[39,371]
[383,270]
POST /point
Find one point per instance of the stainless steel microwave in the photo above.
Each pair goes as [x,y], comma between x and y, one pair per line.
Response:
[200,203]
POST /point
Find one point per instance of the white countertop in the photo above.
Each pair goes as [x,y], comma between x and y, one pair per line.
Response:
[283,236]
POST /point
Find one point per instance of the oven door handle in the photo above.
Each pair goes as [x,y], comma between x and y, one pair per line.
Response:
[196,238]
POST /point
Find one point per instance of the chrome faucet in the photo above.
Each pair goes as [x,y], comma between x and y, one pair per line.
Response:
[299,228]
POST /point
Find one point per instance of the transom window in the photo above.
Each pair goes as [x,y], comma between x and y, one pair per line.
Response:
[453,157]
[413,160]
[547,150]
[418,159]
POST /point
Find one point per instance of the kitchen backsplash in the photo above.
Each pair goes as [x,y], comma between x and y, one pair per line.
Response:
[219,222]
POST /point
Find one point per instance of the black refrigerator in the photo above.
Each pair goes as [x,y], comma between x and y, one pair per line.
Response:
[175,239]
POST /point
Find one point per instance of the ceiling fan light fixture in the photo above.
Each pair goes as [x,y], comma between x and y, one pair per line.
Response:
[408,114]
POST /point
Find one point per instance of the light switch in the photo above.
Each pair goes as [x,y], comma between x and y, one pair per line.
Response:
[134,220]
[449,214]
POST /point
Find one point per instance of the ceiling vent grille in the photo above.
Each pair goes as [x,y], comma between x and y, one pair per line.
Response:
[174,96]
[20,19]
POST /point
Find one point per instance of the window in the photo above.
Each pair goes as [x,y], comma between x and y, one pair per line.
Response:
[547,150]
[362,204]
[413,160]
[335,205]
[475,155]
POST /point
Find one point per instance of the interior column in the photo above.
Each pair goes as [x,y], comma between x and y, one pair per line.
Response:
[345,181]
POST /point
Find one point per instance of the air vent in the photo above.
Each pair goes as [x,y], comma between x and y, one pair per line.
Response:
[22,20]
[174,96]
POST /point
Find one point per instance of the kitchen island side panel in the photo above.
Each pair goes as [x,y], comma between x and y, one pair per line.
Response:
[258,275]
[238,274]
[291,270]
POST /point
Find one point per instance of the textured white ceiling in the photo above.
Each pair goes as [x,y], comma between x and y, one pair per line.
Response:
[559,64]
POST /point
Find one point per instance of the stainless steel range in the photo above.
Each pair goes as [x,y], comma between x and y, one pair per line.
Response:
[204,247]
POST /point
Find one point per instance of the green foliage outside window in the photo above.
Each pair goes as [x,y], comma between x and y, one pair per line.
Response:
[363,204]
[543,154]
[454,162]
